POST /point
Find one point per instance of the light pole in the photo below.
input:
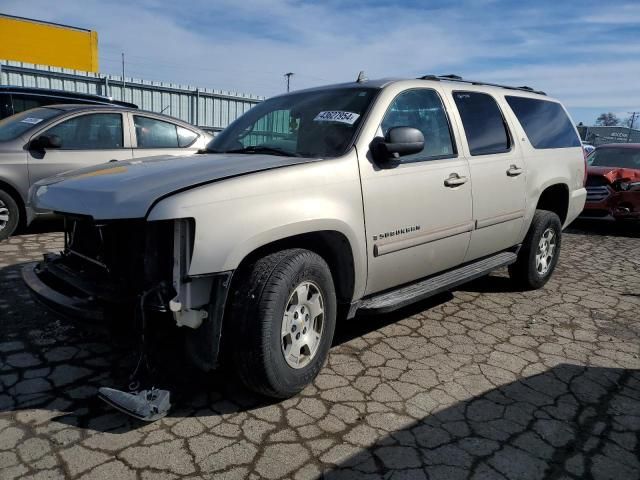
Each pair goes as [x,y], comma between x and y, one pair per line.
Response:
[633,117]
[288,75]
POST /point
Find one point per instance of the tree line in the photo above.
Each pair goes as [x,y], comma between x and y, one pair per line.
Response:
[612,120]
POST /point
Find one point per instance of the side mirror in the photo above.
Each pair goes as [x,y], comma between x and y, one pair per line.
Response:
[398,142]
[46,141]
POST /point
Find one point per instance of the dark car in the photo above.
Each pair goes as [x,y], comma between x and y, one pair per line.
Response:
[18,99]
[613,182]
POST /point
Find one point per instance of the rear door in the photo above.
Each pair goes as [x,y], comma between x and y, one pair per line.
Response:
[497,170]
[152,136]
[86,140]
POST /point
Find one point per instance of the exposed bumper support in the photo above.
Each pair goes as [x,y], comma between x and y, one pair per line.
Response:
[72,306]
[203,343]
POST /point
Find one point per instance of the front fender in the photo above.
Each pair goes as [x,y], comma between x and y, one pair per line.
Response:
[234,217]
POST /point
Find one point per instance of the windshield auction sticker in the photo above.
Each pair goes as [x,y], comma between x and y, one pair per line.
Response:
[31,120]
[337,116]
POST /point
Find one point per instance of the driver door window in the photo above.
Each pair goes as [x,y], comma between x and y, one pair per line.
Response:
[96,131]
[422,109]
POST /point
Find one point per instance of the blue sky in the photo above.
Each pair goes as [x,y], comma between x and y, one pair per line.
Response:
[586,53]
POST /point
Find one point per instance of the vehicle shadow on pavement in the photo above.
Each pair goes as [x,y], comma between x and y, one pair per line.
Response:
[568,422]
[49,363]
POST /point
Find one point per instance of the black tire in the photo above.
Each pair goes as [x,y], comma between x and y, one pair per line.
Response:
[261,294]
[8,205]
[525,272]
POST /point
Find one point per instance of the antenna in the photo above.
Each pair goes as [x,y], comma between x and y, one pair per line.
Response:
[361,77]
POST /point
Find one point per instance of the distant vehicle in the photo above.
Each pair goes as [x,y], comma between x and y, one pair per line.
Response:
[18,99]
[45,141]
[613,182]
[588,148]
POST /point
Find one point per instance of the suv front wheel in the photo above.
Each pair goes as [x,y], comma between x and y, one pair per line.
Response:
[540,251]
[282,321]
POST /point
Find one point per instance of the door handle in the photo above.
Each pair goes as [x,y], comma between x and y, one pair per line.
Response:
[514,171]
[455,180]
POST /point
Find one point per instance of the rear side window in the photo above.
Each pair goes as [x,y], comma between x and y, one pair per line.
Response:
[483,123]
[153,133]
[545,123]
[186,137]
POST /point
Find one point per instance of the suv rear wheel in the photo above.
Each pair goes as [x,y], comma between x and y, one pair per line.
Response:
[540,251]
[9,215]
[282,322]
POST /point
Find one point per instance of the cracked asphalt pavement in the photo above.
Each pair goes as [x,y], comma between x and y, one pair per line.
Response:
[485,382]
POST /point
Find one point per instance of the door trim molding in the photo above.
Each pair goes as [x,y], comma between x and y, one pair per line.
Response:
[489,221]
[383,248]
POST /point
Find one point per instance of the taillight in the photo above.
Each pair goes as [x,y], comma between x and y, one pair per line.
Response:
[584,177]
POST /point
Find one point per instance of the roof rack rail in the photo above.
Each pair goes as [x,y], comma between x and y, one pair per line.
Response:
[458,78]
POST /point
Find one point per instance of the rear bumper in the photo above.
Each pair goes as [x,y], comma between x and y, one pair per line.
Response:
[576,204]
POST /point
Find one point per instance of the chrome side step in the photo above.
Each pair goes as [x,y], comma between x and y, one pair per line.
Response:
[403,296]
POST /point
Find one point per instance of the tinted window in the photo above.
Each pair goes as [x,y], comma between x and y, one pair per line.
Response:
[545,123]
[483,123]
[95,131]
[314,124]
[14,126]
[615,157]
[421,109]
[186,137]
[154,133]
[25,102]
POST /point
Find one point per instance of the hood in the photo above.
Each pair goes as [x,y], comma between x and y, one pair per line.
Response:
[128,189]
[615,173]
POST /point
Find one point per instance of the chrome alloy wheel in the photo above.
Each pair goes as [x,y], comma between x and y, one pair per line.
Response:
[302,325]
[4,215]
[546,251]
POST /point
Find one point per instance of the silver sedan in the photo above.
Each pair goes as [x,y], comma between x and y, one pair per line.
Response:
[45,141]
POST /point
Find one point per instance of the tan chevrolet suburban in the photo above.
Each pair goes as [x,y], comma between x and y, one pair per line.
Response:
[312,207]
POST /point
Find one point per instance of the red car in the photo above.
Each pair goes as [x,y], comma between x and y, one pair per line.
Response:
[613,182]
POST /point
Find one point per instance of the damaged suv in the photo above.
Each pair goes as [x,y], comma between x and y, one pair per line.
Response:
[314,206]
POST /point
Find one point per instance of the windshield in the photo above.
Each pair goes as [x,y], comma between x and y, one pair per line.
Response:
[14,126]
[315,124]
[615,157]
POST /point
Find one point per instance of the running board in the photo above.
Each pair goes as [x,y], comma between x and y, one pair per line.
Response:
[403,296]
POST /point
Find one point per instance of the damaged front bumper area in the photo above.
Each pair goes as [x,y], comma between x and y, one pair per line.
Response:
[123,270]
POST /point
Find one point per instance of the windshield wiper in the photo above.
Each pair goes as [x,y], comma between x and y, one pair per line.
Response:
[263,149]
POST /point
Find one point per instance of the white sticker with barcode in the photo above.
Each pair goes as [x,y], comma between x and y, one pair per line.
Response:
[31,120]
[337,116]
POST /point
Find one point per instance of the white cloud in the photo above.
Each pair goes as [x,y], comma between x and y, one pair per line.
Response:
[248,45]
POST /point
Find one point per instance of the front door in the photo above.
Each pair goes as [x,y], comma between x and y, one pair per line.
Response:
[85,140]
[498,171]
[418,210]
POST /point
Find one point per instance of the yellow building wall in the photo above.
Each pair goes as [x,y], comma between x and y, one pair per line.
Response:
[25,40]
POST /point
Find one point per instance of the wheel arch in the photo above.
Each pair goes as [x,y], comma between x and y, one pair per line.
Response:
[333,246]
[555,198]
